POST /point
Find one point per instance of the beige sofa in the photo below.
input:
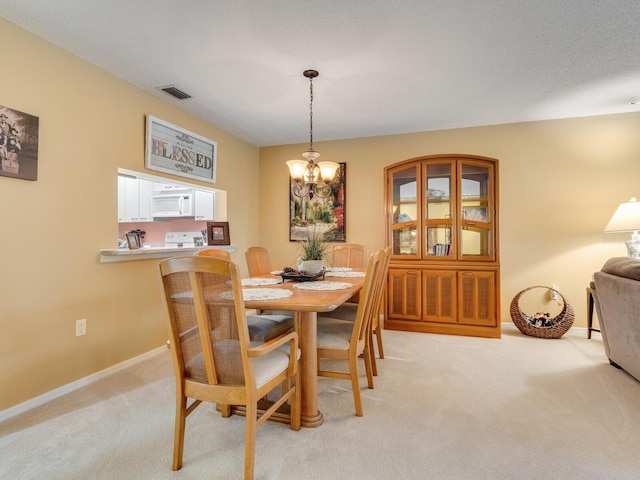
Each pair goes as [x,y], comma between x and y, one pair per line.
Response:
[617,302]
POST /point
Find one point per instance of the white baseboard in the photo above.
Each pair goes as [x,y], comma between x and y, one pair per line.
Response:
[70,387]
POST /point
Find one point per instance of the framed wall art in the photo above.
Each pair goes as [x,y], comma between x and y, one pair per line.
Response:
[18,144]
[218,233]
[320,214]
[171,149]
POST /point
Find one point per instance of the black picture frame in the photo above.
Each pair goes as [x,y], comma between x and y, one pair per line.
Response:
[319,210]
[218,233]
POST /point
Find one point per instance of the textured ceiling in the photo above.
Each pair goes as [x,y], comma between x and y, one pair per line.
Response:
[386,67]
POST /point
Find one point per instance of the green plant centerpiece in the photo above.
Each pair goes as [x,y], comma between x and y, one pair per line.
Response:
[314,251]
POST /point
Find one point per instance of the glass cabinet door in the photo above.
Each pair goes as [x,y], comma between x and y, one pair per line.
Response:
[404,224]
[439,204]
[476,211]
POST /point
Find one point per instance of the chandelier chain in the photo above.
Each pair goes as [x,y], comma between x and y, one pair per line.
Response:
[311,114]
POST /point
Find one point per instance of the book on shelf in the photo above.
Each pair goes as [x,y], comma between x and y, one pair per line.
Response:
[441,250]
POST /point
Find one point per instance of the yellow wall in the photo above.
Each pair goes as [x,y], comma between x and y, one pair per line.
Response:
[91,123]
[560,181]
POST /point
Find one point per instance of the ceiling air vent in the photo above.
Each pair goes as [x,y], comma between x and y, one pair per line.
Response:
[175,92]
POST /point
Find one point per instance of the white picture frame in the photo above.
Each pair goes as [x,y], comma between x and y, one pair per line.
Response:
[174,150]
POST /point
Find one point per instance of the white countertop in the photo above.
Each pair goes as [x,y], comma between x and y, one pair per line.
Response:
[147,253]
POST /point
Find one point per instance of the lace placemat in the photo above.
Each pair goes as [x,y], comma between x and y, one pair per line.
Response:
[345,274]
[323,286]
[258,282]
[339,269]
[257,294]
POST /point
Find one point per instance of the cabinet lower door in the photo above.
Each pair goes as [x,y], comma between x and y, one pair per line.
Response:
[404,294]
[477,298]
[439,296]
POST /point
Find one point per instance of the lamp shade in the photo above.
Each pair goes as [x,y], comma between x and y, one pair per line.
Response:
[626,218]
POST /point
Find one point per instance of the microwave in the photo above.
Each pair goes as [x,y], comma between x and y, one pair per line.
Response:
[173,204]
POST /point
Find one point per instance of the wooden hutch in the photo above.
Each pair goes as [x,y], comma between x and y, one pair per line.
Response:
[442,225]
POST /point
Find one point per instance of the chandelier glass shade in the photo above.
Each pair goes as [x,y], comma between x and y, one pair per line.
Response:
[309,177]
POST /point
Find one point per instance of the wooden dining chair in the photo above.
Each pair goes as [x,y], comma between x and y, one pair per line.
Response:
[347,311]
[349,255]
[213,358]
[344,340]
[213,252]
[262,327]
[258,261]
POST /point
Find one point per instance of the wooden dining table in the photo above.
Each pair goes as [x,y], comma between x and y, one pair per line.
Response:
[306,304]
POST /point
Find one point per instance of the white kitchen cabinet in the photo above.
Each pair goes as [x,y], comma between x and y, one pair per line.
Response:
[145,191]
[121,198]
[134,199]
[204,207]
[131,202]
[163,187]
[136,191]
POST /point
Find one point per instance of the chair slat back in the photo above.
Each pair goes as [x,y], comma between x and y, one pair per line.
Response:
[383,281]
[209,334]
[369,297]
[348,255]
[258,261]
[213,252]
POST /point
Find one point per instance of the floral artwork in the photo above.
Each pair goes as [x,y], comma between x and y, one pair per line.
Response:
[324,215]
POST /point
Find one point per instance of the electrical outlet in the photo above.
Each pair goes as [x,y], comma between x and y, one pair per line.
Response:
[81,327]
[553,295]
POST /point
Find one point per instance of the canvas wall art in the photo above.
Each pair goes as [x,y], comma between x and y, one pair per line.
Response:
[18,144]
[326,215]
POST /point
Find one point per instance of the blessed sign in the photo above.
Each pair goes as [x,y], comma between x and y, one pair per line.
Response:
[172,149]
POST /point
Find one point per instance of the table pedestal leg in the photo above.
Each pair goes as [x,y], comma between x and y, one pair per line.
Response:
[306,324]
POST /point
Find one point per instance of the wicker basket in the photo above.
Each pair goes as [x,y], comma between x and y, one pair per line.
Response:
[561,323]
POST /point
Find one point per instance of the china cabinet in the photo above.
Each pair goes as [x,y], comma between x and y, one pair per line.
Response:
[442,226]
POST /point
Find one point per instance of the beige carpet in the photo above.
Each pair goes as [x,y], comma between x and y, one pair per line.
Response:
[444,407]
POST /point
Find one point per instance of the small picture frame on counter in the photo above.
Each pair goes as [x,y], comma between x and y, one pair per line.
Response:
[133,240]
[218,233]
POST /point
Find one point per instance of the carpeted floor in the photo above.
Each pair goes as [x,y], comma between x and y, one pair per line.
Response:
[444,407]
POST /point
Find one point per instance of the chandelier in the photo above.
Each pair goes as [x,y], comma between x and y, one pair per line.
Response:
[310,178]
